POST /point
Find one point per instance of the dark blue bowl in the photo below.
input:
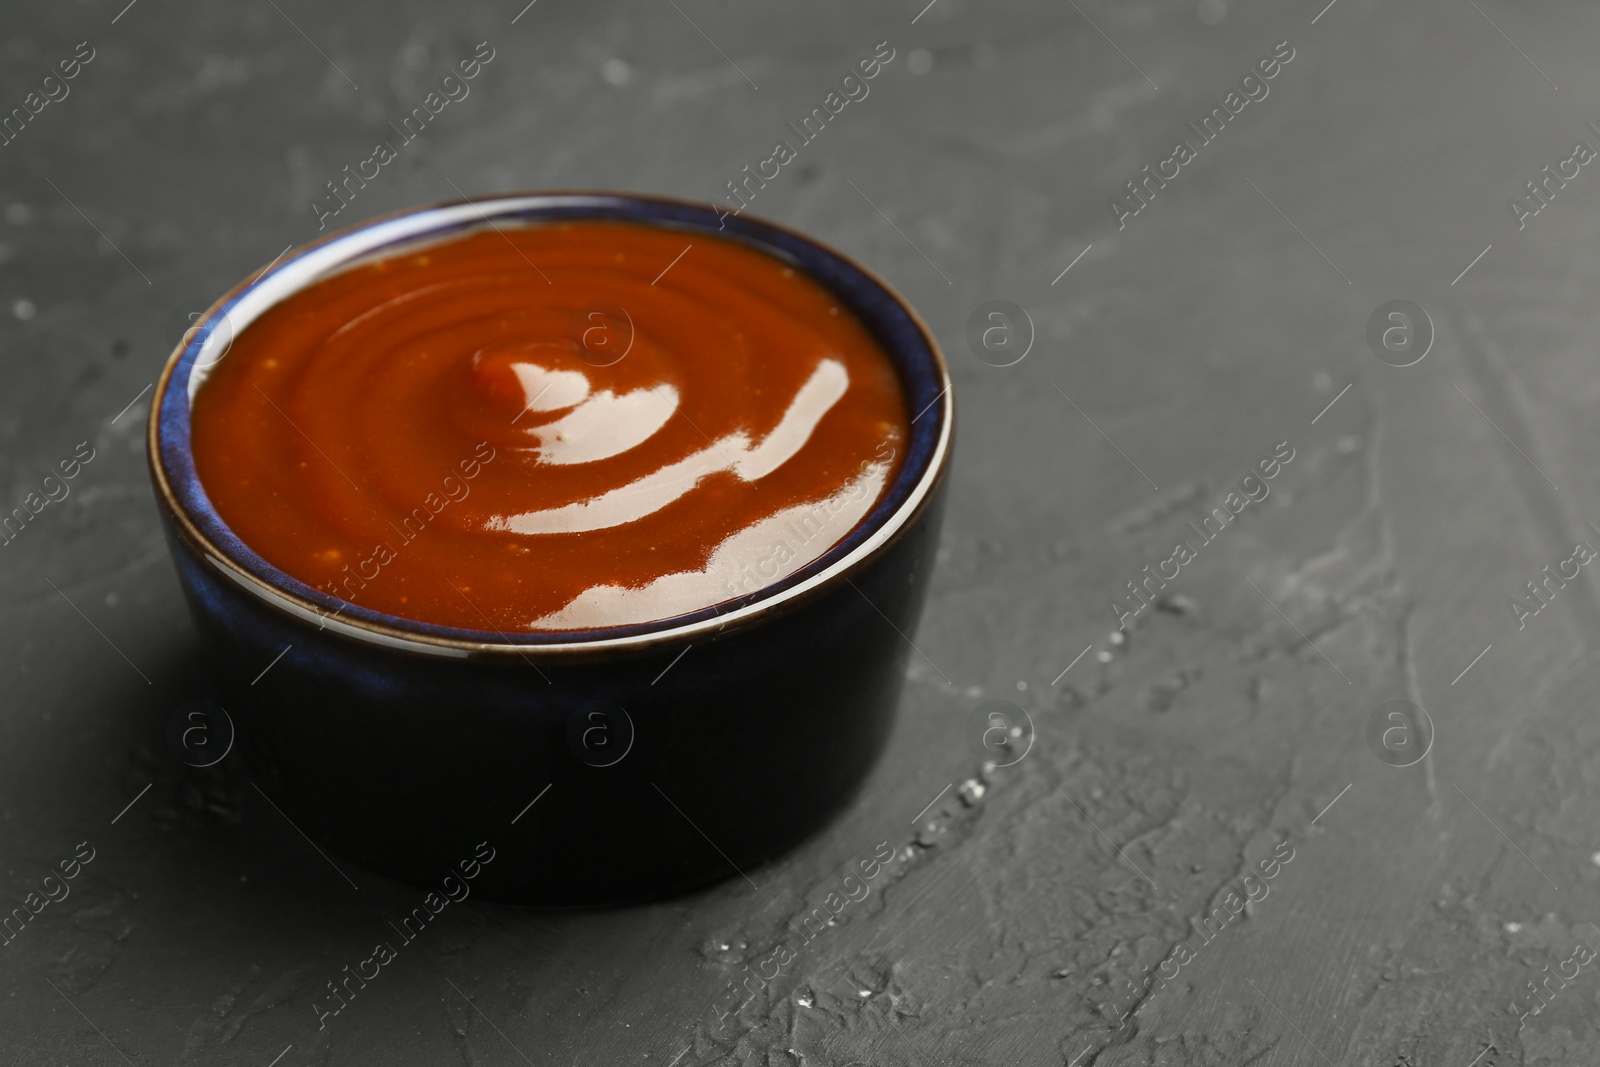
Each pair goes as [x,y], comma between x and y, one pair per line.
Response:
[405,746]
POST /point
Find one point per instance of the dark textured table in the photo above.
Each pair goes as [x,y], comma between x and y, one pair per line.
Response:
[1105,899]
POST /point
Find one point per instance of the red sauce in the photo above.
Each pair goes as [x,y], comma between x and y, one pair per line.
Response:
[551,427]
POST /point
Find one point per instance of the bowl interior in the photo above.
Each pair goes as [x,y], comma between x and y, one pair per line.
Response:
[915,356]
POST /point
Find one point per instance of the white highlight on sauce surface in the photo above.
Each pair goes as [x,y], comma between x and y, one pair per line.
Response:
[550,390]
[745,562]
[606,425]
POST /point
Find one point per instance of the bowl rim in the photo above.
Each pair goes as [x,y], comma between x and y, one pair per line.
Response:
[531,208]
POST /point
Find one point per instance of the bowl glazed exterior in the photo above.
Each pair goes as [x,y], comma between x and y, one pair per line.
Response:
[597,767]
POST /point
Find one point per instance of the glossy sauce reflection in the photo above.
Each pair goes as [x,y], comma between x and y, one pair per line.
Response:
[542,429]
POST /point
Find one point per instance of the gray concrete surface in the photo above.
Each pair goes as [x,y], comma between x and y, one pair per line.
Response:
[1178,351]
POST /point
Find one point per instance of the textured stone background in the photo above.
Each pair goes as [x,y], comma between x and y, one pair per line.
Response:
[1416,909]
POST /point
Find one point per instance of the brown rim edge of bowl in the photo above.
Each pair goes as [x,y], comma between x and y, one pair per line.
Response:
[757,610]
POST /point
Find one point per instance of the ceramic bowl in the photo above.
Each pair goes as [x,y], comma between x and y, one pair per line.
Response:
[587,774]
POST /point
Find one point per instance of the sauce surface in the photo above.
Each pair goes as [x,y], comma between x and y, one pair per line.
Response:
[551,427]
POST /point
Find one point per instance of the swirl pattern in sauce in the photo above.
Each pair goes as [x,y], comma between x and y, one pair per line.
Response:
[551,427]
